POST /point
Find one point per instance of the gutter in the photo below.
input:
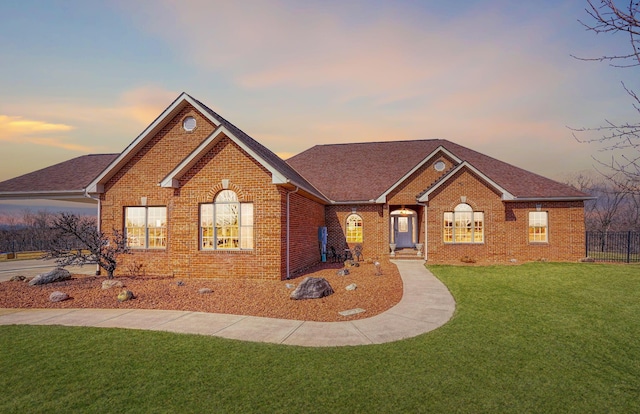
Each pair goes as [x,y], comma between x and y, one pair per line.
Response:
[525,199]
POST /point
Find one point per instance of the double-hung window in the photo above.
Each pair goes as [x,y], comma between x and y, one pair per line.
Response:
[226,224]
[146,227]
[463,225]
[538,227]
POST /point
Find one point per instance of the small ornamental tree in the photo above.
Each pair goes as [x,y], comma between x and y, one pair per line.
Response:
[79,242]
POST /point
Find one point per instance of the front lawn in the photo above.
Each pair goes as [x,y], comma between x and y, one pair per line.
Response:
[540,337]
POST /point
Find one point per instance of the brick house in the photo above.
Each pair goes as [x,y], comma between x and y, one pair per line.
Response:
[197,197]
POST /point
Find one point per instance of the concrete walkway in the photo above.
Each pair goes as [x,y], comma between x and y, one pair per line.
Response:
[426,305]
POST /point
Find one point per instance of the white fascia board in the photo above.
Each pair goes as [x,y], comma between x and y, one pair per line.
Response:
[96,186]
[172,179]
[383,197]
[276,176]
[506,196]
[550,199]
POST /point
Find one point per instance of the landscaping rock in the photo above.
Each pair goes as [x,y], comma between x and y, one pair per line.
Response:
[352,286]
[180,283]
[125,295]
[56,275]
[343,272]
[110,283]
[312,288]
[204,291]
[58,296]
[290,286]
[18,278]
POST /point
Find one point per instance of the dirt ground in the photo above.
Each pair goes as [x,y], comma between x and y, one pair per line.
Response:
[373,293]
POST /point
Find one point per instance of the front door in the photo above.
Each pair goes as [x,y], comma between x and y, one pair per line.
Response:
[404,232]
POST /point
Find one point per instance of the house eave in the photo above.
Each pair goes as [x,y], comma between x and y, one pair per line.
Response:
[383,197]
[551,199]
[78,196]
[97,185]
[505,195]
[349,202]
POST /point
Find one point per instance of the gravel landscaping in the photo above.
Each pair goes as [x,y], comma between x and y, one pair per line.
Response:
[374,294]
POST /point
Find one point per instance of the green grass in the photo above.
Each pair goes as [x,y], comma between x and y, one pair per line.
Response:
[540,337]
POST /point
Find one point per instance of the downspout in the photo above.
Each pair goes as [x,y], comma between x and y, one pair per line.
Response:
[288,232]
[426,237]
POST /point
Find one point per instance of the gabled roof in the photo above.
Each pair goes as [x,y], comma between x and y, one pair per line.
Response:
[63,181]
[506,196]
[281,172]
[370,171]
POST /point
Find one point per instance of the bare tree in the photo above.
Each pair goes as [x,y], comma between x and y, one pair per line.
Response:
[614,208]
[94,246]
[623,139]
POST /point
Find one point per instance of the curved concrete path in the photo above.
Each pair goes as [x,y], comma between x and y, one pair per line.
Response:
[425,305]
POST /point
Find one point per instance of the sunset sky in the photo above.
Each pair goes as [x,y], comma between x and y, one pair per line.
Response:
[81,77]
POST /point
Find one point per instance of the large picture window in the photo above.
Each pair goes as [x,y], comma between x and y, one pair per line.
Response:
[146,227]
[463,225]
[354,229]
[538,227]
[226,224]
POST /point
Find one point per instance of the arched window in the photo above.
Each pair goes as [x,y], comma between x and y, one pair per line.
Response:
[354,229]
[463,225]
[226,223]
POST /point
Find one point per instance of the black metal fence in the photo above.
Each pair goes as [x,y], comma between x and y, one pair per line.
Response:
[619,246]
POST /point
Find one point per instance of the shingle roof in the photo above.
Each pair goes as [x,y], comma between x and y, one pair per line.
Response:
[365,171]
[72,175]
[266,154]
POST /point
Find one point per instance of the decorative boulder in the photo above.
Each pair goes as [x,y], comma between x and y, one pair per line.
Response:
[312,288]
[110,283]
[56,275]
[58,296]
[18,278]
[343,272]
[125,295]
[204,291]
[352,286]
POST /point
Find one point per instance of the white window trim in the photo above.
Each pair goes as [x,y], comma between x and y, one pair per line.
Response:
[242,227]
[545,226]
[454,227]
[146,228]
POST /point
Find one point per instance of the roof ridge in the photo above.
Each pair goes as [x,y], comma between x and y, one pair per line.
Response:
[380,142]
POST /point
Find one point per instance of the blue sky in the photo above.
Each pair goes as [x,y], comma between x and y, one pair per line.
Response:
[82,77]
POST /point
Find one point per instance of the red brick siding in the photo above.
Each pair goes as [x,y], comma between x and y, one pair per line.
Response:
[407,192]
[183,258]
[506,226]
[306,216]
[252,184]
[375,228]
[140,178]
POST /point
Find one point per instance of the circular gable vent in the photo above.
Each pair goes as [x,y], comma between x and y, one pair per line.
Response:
[189,124]
[439,166]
